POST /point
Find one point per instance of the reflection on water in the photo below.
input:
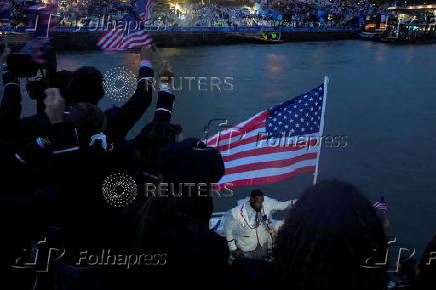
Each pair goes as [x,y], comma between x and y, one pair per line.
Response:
[275,62]
[382,97]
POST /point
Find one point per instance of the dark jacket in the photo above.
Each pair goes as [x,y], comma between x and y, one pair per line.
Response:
[10,108]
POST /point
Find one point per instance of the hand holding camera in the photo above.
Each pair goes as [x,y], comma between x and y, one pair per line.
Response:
[54,105]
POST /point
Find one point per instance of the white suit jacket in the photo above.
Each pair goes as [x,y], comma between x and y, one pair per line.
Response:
[248,237]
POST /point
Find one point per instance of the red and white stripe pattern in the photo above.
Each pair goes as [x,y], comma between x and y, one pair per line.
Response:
[117,40]
[381,205]
[5,13]
[252,155]
[145,14]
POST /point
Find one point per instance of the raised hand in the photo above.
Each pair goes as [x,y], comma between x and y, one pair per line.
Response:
[166,74]
[54,105]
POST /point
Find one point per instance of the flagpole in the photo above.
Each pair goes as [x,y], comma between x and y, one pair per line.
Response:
[321,128]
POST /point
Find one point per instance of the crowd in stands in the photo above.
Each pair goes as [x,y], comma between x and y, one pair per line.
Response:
[296,14]
[55,162]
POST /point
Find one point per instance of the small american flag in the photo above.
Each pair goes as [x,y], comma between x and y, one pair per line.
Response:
[144,8]
[46,18]
[273,145]
[38,47]
[5,13]
[381,205]
[118,40]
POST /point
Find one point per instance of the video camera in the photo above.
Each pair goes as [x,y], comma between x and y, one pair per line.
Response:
[23,65]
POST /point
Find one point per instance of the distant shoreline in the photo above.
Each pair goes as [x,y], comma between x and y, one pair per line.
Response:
[69,40]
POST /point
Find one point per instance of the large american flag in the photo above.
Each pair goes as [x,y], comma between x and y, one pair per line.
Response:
[144,8]
[273,145]
[118,39]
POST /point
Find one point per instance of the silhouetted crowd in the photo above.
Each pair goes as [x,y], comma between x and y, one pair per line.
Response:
[64,225]
[296,14]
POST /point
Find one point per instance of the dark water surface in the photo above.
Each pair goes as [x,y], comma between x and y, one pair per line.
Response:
[382,97]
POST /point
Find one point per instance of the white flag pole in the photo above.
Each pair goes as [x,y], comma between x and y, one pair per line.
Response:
[321,128]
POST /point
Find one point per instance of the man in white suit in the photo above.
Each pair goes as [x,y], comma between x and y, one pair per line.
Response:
[251,220]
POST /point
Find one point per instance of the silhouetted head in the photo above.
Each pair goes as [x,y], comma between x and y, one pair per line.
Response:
[151,138]
[88,119]
[87,85]
[331,240]
[256,200]
[193,168]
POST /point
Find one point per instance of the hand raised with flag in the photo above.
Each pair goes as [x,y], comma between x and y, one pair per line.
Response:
[146,53]
[166,74]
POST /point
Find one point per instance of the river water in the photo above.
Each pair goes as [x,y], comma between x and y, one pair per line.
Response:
[381,97]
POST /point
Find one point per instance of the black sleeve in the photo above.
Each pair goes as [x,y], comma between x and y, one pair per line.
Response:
[121,120]
[10,108]
[18,176]
[34,126]
[164,106]
[62,136]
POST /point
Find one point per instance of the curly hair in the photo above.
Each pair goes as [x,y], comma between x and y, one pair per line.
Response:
[88,119]
[87,85]
[151,138]
[327,238]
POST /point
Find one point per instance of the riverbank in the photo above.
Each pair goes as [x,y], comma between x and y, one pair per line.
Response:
[86,40]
